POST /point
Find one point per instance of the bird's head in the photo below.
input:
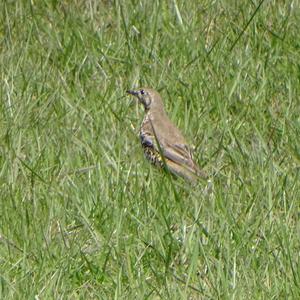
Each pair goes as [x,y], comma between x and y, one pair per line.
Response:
[150,98]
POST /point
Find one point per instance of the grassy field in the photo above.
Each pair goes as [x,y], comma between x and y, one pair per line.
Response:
[83,215]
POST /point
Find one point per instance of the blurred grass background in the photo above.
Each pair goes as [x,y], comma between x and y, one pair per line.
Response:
[83,215]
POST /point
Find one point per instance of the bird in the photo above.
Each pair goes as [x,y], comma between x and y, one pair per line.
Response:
[163,143]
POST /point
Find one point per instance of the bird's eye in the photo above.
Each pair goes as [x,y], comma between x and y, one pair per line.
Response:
[142,92]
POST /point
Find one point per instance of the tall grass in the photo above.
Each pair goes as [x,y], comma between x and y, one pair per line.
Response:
[83,215]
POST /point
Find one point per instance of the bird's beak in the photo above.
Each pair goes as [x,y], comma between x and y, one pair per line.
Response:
[131,92]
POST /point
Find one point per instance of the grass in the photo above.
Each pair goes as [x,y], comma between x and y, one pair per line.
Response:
[83,215]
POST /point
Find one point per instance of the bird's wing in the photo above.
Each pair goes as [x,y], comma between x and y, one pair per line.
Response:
[180,161]
[178,153]
[178,156]
[182,171]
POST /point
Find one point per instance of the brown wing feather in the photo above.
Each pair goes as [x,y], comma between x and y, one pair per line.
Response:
[182,158]
[181,171]
[173,147]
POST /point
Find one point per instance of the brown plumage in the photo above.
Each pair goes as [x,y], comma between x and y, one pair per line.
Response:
[162,142]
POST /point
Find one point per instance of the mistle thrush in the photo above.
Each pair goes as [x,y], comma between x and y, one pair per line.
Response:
[162,142]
